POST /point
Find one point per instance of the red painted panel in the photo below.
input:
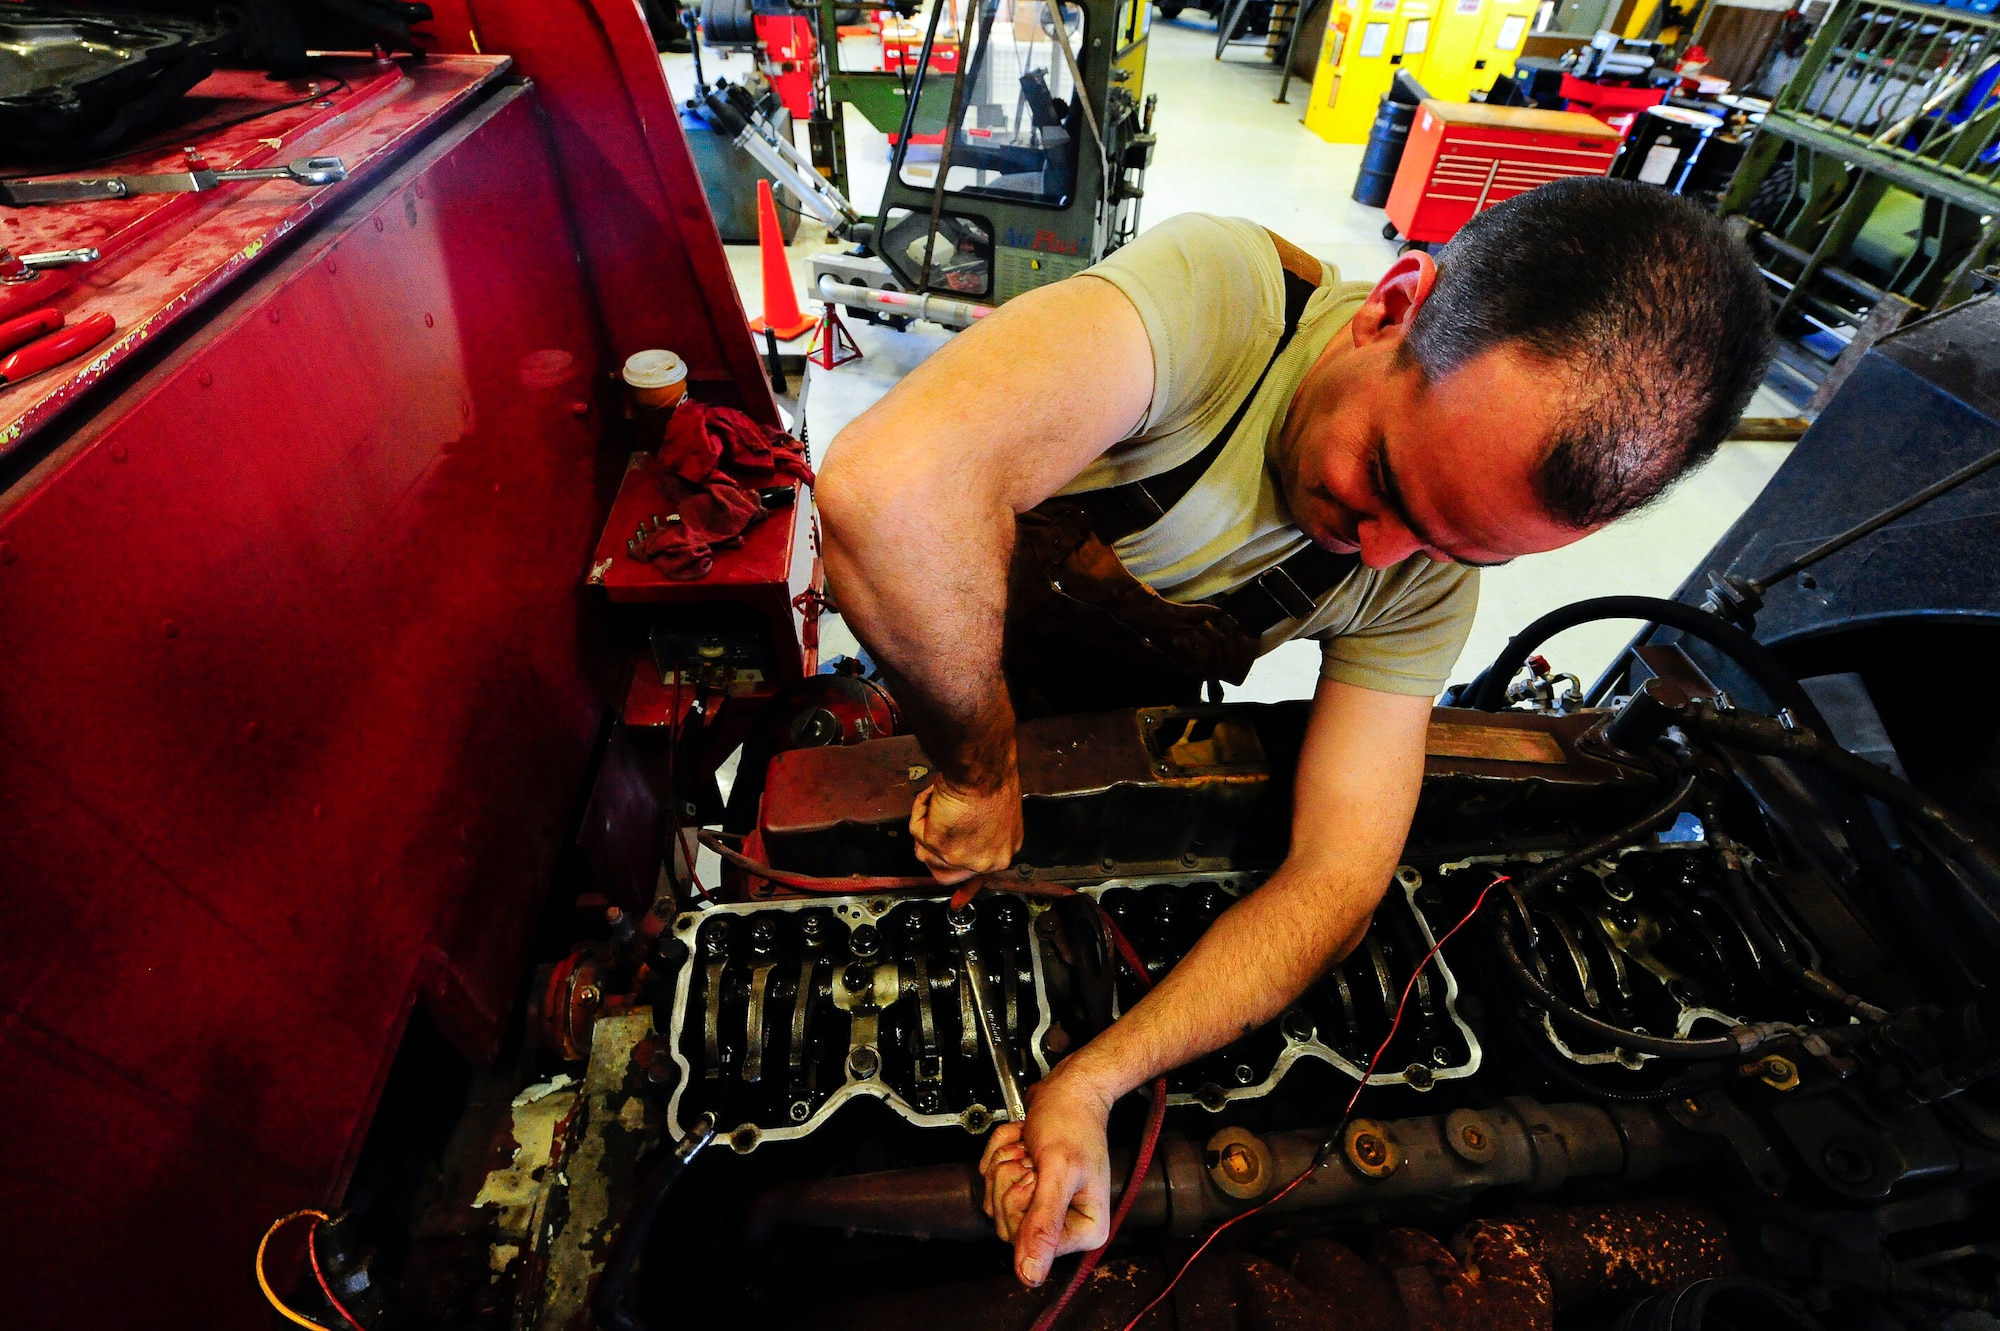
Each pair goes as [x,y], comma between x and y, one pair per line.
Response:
[630,180]
[767,572]
[164,255]
[301,681]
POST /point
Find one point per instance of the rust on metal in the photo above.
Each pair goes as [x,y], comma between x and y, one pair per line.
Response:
[1455,739]
[1513,1274]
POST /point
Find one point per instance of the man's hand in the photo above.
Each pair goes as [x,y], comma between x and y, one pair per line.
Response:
[960,832]
[1048,1181]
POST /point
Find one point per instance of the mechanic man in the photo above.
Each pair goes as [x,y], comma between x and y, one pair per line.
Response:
[1125,484]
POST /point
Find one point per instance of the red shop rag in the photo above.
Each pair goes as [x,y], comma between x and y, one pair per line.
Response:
[711,471]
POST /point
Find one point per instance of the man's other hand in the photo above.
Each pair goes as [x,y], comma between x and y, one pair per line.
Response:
[1048,1181]
[960,832]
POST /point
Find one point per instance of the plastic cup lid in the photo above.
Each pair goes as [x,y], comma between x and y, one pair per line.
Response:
[654,369]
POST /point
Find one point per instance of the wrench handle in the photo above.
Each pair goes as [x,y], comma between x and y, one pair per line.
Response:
[56,348]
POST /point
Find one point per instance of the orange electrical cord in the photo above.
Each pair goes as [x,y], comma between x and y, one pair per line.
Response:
[264,1281]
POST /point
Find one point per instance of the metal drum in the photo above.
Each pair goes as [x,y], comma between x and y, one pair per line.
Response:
[1384,153]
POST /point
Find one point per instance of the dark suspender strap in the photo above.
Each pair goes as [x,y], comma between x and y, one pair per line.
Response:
[1123,509]
[1288,591]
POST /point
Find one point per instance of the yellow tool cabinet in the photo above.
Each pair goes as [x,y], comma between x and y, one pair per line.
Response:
[1453,47]
[1367,41]
[1473,41]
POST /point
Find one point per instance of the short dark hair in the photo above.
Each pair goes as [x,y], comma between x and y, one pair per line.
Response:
[1653,312]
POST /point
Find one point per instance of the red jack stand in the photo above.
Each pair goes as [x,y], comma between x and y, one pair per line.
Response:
[833,346]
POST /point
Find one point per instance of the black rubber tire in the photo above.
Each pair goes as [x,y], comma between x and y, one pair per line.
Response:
[1389,231]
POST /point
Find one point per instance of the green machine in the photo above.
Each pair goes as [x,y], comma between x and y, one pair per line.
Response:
[1871,191]
[1023,166]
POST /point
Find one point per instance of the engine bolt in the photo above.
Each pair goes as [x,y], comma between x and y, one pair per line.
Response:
[1780,1074]
[800,1111]
[1371,1150]
[1239,1164]
[1473,1136]
[715,940]
[862,1063]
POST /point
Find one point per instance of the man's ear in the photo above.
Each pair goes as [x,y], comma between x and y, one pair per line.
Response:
[1396,298]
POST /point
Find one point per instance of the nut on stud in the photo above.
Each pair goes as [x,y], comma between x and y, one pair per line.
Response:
[1780,1074]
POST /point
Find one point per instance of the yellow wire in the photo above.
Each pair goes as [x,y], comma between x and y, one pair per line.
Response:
[264,1283]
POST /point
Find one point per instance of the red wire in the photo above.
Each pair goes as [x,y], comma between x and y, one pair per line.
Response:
[1149,1140]
[1396,1021]
[324,1287]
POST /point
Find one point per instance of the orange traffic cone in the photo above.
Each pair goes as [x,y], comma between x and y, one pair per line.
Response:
[781,303]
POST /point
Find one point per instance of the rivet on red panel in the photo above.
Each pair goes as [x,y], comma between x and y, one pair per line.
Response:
[249,730]
[429,322]
[118,452]
[378,224]
[274,314]
[8,554]
[205,378]
[171,629]
[579,408]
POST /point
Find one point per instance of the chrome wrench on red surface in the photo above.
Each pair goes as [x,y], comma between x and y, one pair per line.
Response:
[87,189]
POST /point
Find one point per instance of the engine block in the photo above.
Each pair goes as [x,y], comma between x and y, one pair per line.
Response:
[783,1011]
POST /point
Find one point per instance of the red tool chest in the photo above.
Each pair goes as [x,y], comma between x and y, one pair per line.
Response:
[1464,157]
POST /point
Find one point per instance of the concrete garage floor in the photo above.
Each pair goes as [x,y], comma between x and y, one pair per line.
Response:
[1225,145]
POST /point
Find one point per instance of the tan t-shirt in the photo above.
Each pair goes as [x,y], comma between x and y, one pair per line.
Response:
[1211,293]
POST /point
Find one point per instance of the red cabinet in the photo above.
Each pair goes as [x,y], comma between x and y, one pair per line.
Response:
[1463,158]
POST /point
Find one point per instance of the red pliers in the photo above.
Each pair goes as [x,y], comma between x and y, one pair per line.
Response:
[38,341]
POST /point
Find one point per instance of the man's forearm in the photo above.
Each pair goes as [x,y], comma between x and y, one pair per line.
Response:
[935,631]
[919,493]
[1254,960]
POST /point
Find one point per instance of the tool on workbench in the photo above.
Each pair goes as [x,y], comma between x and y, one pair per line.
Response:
[47,349]
[962,922]
[27,267]
[87,189]
[28,327]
